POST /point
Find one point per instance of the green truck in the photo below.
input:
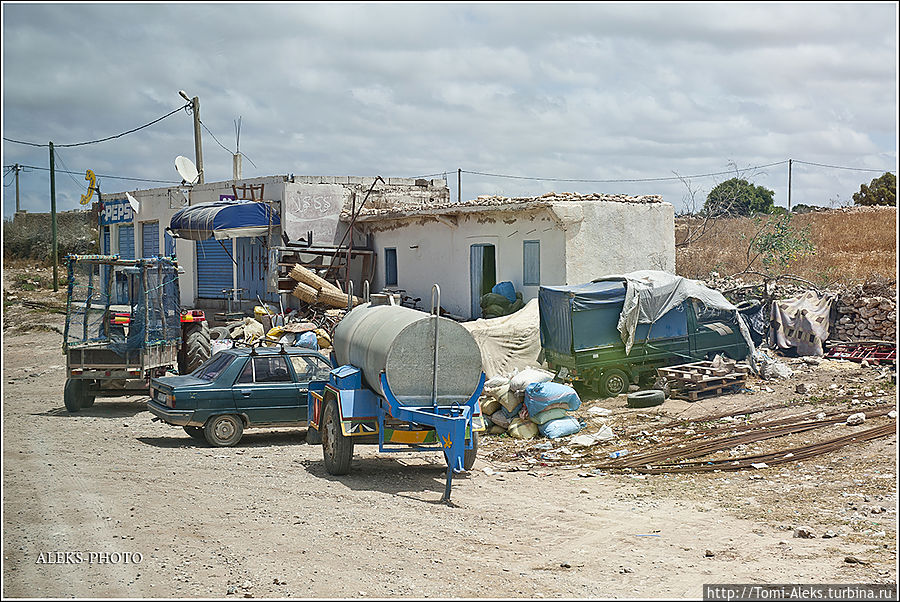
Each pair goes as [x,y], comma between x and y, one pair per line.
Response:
[673,323]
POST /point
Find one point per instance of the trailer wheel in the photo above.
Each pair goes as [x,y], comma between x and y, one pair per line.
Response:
[613,382]
[196,432]
[195,346]
[73,394]
[224,430]
[337,449]
[469,456]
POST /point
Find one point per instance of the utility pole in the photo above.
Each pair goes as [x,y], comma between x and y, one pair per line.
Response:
[198,144]
[459,185]
[54,248]
[790,169]
[17,170]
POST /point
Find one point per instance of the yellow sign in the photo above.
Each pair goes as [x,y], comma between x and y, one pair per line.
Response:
[92,184]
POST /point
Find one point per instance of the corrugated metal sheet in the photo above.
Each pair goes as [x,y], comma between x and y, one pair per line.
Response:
[214,268]
[252,261]
[126,241]
[150,239]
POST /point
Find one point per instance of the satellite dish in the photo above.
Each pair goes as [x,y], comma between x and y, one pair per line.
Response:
[186,169]
[135,205]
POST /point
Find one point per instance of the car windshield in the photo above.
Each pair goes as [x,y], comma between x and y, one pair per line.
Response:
[213,367]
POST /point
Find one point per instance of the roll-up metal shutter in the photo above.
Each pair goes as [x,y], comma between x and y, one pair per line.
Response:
[150,239]
[214,268]
[126,241]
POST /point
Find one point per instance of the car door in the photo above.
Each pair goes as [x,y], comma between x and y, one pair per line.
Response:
[265,390]
[307,368]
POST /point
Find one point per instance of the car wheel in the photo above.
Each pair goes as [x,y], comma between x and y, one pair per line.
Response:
[72,394]
[469,457]
[646,399]
[224,430]
[196,432]
[613,382]
[337,449]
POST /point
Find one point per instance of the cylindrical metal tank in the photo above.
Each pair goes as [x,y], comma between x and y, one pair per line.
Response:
[399,341]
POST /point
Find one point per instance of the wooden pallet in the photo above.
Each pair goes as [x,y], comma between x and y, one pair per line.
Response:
[699,380]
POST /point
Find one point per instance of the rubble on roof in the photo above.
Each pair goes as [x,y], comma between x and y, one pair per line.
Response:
[501,203]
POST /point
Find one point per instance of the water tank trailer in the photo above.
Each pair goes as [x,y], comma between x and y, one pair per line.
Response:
[406,380]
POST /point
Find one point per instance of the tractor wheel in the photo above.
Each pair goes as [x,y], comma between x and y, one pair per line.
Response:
[224,430]
[337,449]
[73,394]
[195,346]
[469,457]
[196,432]
[613,382]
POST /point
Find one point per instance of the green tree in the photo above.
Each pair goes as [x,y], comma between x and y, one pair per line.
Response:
[739,197]
[880,191]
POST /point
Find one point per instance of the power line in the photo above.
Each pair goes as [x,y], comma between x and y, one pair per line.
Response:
[208,131]
[842,167]
[131,131]
[99,175]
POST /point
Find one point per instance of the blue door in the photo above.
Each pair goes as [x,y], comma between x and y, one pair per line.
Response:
[214,271]
[150,239]
[124,286]
[252,260]
[126,241]
[170,244]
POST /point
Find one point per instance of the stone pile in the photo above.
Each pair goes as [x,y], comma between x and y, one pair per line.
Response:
[865,314]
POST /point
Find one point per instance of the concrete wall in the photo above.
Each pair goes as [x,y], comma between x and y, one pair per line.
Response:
[605,238]
[315,203]
[436,250]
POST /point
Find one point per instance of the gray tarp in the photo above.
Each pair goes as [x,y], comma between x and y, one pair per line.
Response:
[802,322]
[649,294]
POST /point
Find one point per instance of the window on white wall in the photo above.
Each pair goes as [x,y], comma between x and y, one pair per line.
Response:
[531,260]
[390,267]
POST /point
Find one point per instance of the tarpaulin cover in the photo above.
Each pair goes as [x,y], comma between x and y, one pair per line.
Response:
[508,342]
[642,297]
[801,323]
[223,219]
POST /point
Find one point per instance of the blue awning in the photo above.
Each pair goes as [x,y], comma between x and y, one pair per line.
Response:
[223,219]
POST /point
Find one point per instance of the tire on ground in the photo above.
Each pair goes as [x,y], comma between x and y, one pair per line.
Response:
[219,333]
[646,399]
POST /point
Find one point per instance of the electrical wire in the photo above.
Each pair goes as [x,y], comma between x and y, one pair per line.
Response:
[841,167]
[65,170]
[99,175]
[131,131]
[208,131]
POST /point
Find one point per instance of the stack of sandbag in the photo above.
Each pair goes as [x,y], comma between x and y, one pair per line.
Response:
[501,301]
[502,403]
[313,289]
[548,405]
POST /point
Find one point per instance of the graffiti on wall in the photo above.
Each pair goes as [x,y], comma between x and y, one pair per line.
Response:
[313,207]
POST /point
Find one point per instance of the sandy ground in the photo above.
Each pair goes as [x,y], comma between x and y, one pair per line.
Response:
[264,519]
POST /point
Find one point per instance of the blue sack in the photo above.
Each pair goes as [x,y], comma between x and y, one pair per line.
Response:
[540,395]
[506,289]
[560,427]
[307,339]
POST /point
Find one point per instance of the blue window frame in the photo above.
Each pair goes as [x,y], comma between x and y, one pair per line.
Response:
[531,263]
[390,267]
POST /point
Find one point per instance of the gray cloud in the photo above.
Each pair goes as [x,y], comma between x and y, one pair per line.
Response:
[606,91]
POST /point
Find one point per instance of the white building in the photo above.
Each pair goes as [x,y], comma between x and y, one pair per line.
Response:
[553,239]
[304,203]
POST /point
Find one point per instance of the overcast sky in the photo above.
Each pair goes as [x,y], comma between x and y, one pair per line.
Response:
[576,91]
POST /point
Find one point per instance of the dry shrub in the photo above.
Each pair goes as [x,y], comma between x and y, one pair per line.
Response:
[853,245]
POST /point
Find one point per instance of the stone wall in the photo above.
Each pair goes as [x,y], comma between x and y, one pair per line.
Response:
[866,312]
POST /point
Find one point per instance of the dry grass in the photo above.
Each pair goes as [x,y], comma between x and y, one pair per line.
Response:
[852,246]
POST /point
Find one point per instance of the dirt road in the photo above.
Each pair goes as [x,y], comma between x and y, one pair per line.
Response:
[265,520]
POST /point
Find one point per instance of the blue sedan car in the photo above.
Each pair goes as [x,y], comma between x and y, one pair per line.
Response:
[238,389]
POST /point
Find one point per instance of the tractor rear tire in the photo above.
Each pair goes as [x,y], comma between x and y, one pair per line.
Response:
[337,448]
[195,346]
